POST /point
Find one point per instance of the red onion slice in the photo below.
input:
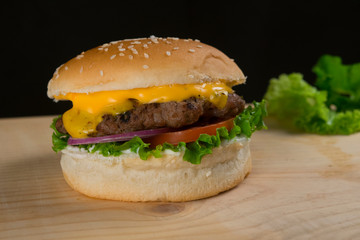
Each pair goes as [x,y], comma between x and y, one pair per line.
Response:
[117,137]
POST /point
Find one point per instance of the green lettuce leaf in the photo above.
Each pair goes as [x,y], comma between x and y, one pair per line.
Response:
[246,123]
[59,140]
[291,98]
[342,82]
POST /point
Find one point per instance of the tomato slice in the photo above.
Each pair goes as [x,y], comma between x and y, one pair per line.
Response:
[188,135]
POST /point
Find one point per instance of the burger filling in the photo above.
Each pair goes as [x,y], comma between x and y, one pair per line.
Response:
[172,114]
[118,111]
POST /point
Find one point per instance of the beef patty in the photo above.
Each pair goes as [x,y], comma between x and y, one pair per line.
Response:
[169,114]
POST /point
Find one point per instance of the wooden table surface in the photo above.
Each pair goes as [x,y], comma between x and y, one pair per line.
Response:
[302,186]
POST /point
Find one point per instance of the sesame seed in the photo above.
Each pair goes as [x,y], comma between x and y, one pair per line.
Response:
[145,66]
[197,40]
[112,57]
[134,51]
[57,69]
[176,48]
[131,57]
[191,50]
[136,42]
[154,39]
[101,73]
[121,54]
[168,42]
[106,49]
[100,49]
[81,69]
[105,45]
[145,46]
[114,42]
[122,49]
[146,55]
[130,46]
[199,46]
[168,53]
[186,40]
[66,68]
[174,38]
[79,56]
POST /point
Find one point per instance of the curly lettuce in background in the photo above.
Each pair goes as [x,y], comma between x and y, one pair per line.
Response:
[331,108]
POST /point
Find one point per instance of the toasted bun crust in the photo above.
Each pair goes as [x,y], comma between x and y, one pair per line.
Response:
[170,178]
[142,63]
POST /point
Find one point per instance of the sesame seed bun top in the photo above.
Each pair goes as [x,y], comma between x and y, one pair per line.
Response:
[142,63]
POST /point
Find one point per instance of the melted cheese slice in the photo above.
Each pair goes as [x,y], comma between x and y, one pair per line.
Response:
[88,109]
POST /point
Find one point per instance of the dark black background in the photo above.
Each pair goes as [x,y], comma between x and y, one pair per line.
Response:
[266,38]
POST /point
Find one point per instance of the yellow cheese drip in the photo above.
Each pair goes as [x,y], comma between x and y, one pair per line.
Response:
[88,109]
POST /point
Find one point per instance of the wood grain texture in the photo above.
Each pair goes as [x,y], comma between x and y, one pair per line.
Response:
[302,186]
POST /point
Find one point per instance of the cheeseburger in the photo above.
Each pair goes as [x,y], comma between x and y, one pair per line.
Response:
[153,119]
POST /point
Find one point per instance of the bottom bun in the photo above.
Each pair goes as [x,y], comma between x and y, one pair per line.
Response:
[169,178]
